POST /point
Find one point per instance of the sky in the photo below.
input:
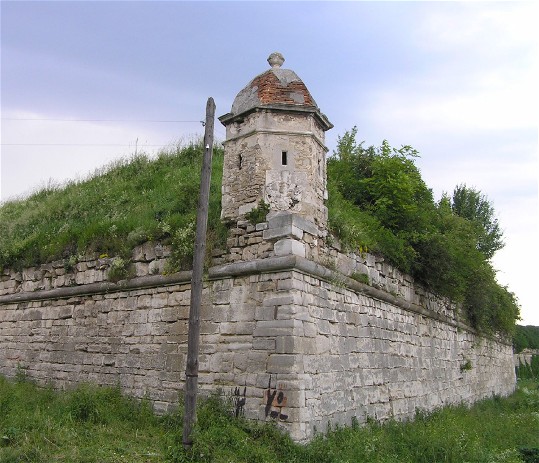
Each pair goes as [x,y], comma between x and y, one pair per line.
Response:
[83,83]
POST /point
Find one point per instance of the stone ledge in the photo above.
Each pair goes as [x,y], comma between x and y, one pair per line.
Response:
[149,281]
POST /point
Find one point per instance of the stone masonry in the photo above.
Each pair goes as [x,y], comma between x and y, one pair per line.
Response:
[296,341]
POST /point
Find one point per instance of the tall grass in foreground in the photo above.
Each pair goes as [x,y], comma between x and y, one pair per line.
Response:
[91,425]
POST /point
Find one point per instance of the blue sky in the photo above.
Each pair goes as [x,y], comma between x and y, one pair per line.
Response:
[456,80]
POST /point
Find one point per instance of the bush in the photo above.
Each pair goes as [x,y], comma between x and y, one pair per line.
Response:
[258,214]
[529,370]
[379,201]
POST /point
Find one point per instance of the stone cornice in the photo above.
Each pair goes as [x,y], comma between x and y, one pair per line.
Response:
[149,281]
[228,118]
[279,132]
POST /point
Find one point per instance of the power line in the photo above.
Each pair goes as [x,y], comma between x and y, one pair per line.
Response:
[28,119]
[96,120]
[77,144]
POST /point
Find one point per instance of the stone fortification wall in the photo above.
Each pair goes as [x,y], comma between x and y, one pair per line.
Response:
[286,334]
[525,357]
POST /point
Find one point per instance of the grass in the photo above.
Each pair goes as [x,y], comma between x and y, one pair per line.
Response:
[85,425]
[91,424]
[122,205]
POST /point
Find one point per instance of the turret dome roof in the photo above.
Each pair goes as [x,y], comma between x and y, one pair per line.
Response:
[275,86]
[276,89]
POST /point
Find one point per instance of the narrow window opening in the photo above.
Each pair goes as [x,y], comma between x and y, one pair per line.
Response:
[240,158]
[284,158]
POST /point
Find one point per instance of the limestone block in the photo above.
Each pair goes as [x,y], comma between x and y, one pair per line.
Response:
[286,231]
[159,300]
[279,299]
[264,313]
[278,328]
[289,246]
[264,344]
[28,286]
[156,266]
[285,363]
[141,269]
[287,345]
[236,327]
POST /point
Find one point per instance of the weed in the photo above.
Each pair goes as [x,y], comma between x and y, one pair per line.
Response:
[120,206]
[69,263]
[21,375]
[466,366]
[258,214]
[119,270]
[99,424]
[181,257]
[361,278]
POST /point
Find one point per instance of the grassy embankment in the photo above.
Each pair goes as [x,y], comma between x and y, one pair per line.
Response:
[120,206]
[93,424]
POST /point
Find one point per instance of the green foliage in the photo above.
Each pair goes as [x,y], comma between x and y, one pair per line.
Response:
[526,337]
[119,270]
[359,230]
[87,424]
[361,277]
[120,206]
[466,366]
[183,242]
[258,214]
[474,206]
[378,200]
[95,424]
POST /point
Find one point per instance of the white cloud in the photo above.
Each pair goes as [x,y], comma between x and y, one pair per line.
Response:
[502,100]
[491,28]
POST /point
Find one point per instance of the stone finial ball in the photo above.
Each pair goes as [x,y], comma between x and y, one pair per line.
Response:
[276,60]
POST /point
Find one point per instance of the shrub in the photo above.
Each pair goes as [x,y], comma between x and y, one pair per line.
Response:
[119,269]
[378,200]
[258,214]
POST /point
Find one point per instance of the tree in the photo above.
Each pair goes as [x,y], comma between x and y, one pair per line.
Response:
[384,181]
[474,206]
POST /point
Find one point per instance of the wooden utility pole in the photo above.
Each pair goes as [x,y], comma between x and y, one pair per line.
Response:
[193,341]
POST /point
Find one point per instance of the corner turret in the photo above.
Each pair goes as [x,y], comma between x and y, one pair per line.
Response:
[274,148]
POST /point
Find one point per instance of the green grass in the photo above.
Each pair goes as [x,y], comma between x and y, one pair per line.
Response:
[122,205]
[87,424]
[91,424]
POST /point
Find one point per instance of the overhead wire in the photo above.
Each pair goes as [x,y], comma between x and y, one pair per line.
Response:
[93,120]
[26,119]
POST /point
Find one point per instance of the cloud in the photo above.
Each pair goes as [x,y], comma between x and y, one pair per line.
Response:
[474,68]
[488,28]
